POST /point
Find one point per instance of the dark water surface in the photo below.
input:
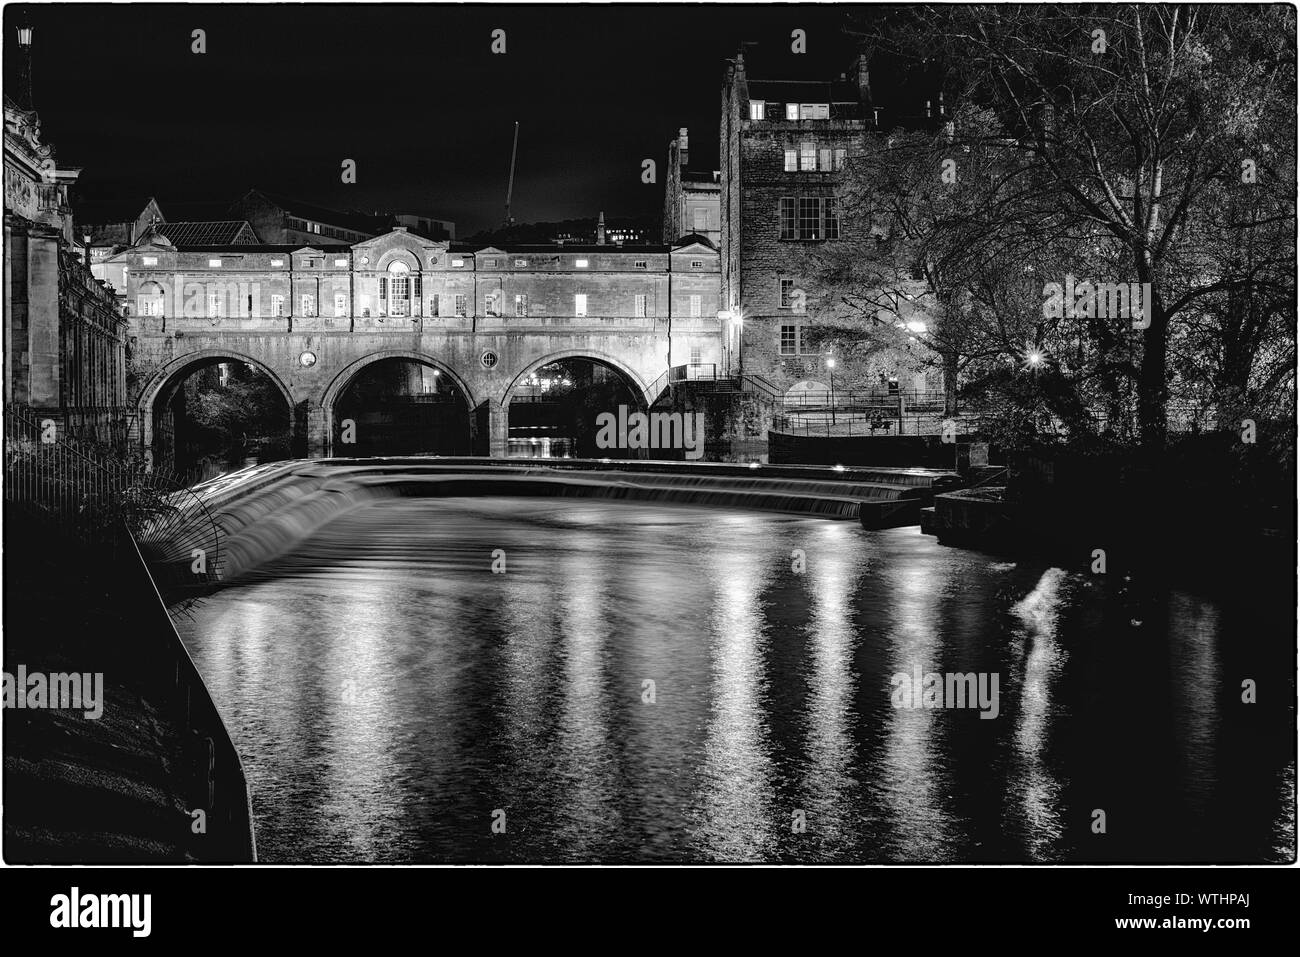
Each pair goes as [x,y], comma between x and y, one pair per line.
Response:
[389,693]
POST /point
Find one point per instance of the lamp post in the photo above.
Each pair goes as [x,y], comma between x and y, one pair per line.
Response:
[23,95]
[830,366]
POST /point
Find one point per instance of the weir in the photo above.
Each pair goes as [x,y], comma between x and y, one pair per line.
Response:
[261,512]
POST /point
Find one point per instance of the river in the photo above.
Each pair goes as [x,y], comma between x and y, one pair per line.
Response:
[667,683]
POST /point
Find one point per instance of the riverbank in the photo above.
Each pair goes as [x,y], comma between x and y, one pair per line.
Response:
[123,786]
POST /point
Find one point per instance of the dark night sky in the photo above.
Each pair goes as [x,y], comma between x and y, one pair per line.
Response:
[286,92]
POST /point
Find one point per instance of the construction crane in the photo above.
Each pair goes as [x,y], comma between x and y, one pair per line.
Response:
[510,188]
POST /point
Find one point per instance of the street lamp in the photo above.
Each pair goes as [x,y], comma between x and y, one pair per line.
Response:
[830,366]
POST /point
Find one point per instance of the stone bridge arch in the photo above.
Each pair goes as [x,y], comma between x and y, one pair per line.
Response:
[162,384]
[321,412]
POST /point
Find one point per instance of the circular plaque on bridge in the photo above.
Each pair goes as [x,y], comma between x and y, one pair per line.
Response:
[489,359]
[307,358]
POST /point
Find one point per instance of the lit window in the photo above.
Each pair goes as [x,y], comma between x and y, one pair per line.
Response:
[520,263]
[216,305]
[696,302]
[814,111]
[696,355]
[791,161]
[490,305]
[433,305]
[792,111]
[461,304]
[807,156]
[214,263]
[458,263]
[308,304]
[810,226]
[824,159]
[277,305]
[340,262]
[521,304]
[639,264]
[340,304]
[581,264]
[150,260]
[756,109]
[697,263]
[840,157]
[789,340]
[788,217]
[277,262]
[787,287]
[400,295]
[580,301]
[639,303]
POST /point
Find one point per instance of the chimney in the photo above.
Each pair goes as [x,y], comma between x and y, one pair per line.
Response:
[600,229]
[23,95]
[683,146]
[864,80]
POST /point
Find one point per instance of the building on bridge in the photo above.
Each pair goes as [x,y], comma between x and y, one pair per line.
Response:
[692,197]
[64,338]
[486,318]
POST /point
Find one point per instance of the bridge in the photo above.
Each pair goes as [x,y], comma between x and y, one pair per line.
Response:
[313,319]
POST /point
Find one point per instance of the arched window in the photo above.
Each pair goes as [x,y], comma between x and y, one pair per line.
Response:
[150,300]
[399,289]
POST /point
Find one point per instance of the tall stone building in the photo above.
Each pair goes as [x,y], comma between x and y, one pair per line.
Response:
[64,338]
[692,197]
[785,145]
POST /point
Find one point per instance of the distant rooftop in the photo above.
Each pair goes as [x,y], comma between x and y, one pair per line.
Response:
[231,232]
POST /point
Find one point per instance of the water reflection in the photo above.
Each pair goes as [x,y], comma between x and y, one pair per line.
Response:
[650,682]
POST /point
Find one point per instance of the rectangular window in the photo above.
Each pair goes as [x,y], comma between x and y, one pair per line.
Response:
[277,305]
[696,355]
[788,230]
[787,287]
[697,263]
[419,287]
[756,109]
[457,263]
[277,262]
[810,225]
[640,264]
[490,305]
[150,260]
[840,157]
[521,305]
[580,303]
[490,263]
[700,220]
[216,305]
[639,307]
[461,304]
[383,289]
[214,263]
[401,294]
[340,304]
[696,303]
[832,218]
[308,304]
[791,161]
[824,159]
[814,111]
[792,111]
[340,262]
[433,305]
[789,340]
[582,264]
[148,306]
[807,156]
[521,263]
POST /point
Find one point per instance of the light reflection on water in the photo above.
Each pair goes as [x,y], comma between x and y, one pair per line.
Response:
[389,693]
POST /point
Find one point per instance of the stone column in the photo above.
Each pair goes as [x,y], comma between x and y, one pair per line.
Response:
[498,429]
[318,430]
